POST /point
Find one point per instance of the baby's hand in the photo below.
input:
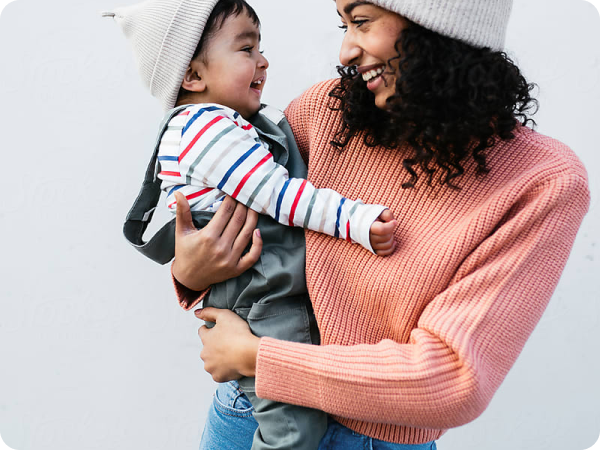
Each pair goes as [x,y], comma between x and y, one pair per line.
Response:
[382,234]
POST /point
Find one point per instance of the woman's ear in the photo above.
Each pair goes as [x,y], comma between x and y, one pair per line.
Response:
[192,80]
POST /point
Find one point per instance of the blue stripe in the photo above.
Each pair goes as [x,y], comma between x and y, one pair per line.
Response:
[337,222]
[280,199]
[176,188]
[198,114]
[236,165]
[236,115]
[168,158]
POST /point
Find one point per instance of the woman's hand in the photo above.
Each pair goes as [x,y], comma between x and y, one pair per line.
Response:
[214,253]
[229,348]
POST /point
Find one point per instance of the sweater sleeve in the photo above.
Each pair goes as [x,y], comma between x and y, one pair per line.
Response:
[218,153]
[467,338]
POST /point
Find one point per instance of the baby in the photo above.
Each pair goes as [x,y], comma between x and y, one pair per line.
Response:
[201,59]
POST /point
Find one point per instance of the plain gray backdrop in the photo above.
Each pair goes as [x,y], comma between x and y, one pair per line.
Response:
[96,353]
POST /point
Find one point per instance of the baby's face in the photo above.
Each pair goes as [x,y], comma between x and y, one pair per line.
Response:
[235,71]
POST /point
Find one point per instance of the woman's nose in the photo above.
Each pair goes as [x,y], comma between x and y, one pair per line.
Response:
[350,51]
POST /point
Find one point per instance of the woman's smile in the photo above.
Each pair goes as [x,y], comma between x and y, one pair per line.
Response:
[369,43]
[372,75]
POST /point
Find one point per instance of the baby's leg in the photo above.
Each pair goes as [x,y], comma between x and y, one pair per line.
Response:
[282,426]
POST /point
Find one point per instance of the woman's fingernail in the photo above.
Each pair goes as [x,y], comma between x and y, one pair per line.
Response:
[257,232]
[198,311]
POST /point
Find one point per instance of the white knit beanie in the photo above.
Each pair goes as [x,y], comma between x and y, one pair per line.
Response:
[164,35]
[481,23]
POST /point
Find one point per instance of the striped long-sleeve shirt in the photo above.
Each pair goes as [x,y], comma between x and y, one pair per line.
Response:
[210,151]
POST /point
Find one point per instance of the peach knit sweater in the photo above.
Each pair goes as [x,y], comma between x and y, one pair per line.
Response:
[419,341]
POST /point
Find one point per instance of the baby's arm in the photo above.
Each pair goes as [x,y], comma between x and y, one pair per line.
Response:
[216,152]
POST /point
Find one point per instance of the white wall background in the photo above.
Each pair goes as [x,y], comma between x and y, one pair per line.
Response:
[94,351]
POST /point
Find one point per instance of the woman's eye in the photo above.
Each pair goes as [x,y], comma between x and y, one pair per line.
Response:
[357,23]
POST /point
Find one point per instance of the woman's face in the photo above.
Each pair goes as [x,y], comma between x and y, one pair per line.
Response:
[370,35]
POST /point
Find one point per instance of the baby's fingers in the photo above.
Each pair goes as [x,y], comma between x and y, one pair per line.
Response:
[380,240]
[385,248]
[383,228]
[386,216]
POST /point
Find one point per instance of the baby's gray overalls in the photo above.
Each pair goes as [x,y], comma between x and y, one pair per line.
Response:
[271,296]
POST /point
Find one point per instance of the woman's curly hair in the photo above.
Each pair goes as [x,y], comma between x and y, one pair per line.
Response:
[452,102]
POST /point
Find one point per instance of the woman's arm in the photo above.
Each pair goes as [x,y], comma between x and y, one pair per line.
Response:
[466,340]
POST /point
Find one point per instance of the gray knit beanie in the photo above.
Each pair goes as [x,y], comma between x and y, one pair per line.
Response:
[481,23]
[164,35]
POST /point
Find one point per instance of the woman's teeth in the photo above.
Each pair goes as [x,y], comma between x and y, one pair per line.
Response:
[372,73]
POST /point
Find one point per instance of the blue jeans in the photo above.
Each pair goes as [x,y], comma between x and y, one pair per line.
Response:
[230,426]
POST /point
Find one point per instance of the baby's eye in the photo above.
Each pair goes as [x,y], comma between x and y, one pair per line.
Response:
[248,49]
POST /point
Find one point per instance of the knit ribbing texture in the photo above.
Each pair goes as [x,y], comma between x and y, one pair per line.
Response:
[419,341]
[481,23]
[164,35]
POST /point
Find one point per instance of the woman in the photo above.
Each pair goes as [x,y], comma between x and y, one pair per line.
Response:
[423,120]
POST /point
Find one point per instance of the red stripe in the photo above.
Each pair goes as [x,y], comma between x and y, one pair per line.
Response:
[199,193]
[247,127]
[187,113]
[170,174]
[348,232]
[243,182]
[199,135]
[295,204]
[194,195]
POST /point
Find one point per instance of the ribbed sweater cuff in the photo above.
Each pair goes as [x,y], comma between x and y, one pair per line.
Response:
[276,362]
[186,297]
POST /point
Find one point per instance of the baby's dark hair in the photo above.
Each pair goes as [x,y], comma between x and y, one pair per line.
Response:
[452,104]
[221,12]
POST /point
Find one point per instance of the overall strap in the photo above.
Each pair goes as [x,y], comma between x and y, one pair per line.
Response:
[161,247]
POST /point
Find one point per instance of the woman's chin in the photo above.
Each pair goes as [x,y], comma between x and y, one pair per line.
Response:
[381,101]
